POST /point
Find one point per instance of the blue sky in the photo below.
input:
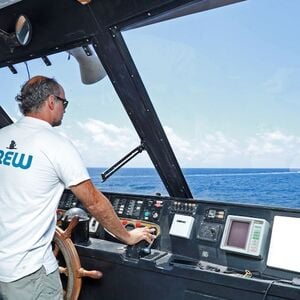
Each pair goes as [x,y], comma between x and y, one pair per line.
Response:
[225,84]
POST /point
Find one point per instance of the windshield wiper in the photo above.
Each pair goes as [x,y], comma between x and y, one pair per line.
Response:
[108,172]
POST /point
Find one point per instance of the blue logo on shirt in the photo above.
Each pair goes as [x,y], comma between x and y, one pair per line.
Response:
[15,159]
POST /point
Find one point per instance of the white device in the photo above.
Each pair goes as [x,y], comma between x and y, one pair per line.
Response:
[182,226]
[245,235]
[285,244]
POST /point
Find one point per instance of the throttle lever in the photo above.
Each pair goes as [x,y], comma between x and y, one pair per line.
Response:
[146,250]
[138,250]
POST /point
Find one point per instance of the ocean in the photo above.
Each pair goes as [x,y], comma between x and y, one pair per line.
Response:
[272,187]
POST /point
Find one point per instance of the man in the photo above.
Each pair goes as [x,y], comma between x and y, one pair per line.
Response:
[36,164]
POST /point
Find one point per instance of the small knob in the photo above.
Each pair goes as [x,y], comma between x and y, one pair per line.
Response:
[213,231]
[155,215]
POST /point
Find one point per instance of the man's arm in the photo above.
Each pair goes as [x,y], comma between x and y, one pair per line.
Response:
[99,207]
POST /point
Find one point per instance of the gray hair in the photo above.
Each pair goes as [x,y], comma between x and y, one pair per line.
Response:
[35,91]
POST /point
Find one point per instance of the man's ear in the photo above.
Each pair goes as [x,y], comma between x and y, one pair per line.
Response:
[51,102]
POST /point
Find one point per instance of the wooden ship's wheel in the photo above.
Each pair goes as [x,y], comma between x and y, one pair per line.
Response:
[73,270]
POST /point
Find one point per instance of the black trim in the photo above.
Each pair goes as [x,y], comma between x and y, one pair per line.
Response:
[4,118]
[133,95]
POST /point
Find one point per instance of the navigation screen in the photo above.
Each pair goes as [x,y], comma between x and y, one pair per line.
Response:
[245,235]
[238,234]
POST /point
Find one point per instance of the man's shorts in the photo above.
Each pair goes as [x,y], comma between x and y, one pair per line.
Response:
[36,286]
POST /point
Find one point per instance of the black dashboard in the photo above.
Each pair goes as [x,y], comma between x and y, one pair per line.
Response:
[211,243]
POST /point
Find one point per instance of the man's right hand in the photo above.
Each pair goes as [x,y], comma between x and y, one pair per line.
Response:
[139,234]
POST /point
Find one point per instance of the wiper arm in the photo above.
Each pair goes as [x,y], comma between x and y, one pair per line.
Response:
[108,172]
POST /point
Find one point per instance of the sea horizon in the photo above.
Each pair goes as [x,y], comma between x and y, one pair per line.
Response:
[262,186]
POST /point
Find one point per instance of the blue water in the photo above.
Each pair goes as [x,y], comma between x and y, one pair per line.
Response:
[274,187]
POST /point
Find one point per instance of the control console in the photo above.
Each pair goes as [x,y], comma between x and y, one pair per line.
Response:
[141,209]
[132,211]
[201,235]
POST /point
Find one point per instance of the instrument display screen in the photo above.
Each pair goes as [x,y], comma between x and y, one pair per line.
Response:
[238,234]
[245,235]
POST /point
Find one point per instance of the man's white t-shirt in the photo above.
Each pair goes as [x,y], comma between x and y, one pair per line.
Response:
[36,164]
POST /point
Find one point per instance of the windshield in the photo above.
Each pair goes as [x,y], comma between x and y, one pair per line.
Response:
[224,84]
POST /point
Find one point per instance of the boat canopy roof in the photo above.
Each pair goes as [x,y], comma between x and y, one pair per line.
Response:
[62,25]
